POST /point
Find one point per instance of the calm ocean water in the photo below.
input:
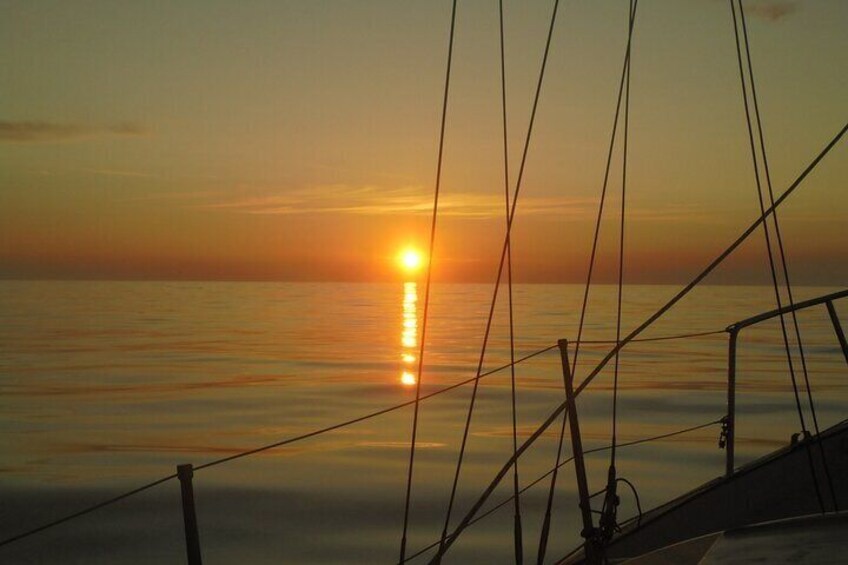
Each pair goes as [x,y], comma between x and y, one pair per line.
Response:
[105,386]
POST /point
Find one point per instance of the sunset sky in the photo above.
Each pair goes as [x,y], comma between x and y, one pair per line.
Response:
[271,140]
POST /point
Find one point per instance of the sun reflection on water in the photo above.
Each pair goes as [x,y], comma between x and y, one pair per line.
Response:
[407,378]
[409,335]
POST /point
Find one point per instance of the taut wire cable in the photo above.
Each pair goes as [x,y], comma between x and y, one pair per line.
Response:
[782,252]
[427,285]
[621,244]
[543,537]
[772,268]
[517,533]
[514,204]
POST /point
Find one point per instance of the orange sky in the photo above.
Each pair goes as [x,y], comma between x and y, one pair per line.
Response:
[297,141]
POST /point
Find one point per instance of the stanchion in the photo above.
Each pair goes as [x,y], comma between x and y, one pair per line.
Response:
[184,474]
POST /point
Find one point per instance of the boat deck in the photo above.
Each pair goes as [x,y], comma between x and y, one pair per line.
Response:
[807,540]
[765,512]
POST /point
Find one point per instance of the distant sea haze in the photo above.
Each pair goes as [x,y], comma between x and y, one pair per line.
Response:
[105,386]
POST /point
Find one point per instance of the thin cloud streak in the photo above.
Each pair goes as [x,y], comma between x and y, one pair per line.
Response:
[365,200]
[51,132]
[405,200]
[772,11]
[119,173]
[178,195]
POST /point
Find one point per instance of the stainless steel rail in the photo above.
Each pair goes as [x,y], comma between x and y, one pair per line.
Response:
[733,332]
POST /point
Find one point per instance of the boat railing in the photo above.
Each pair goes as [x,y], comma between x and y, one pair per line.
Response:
[733,330]
[596,537]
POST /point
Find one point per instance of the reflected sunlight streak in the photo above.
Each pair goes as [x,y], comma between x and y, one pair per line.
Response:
[409,335]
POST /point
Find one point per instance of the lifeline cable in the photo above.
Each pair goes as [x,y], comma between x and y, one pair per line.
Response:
[88,510]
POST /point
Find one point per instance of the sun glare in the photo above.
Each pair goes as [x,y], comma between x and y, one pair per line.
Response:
[411,260]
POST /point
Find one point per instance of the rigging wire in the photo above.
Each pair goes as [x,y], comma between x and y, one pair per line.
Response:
[562,463]
[543,538]
[607,522]
[782,252]
[621,238]
[427,285]
[773,269]
[517,533]
[516,193]
[639,329]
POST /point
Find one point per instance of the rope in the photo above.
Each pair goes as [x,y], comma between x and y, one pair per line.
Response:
[636,496]
[517,533]
[644,325]
[560,464]
[782,252]
[772,267]
[473,399]
[427,285]
[543,538]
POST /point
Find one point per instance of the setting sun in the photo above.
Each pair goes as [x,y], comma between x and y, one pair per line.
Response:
[410,259]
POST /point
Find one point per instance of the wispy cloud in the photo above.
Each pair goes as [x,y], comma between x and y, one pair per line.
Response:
[373,200]
[51,132]
[179,195]
[772,11]
[406,200]
[119,173]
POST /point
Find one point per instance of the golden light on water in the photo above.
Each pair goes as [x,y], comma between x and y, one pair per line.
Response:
[407,378]
[409,333]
